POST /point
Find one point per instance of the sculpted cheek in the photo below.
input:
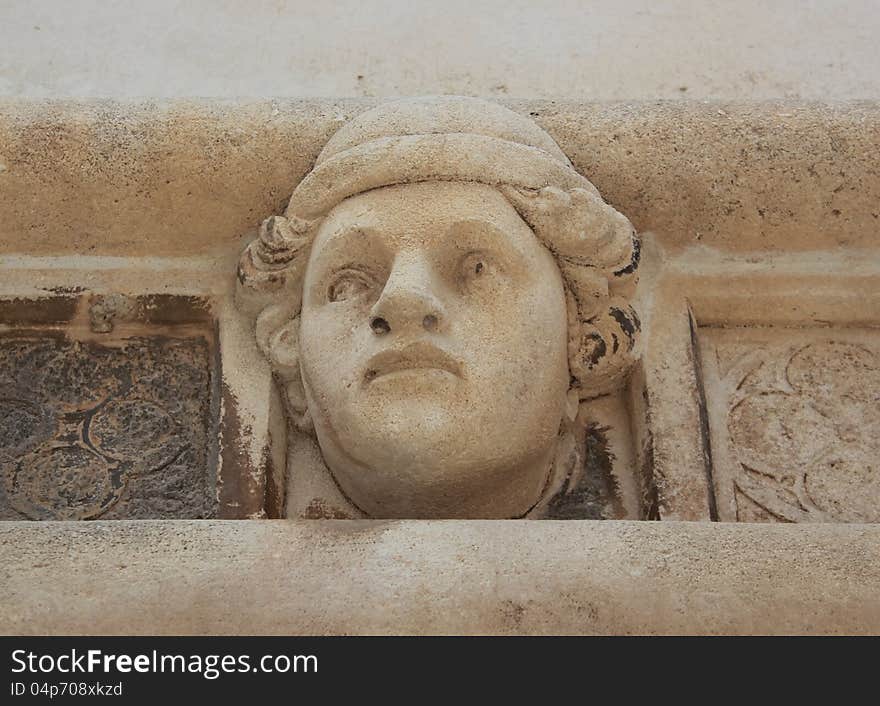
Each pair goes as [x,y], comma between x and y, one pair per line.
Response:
[320,353]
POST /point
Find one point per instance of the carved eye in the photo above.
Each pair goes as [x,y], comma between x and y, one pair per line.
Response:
[348,284]
[474,268]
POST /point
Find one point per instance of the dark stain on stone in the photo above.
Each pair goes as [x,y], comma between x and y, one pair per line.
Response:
[634,260]
[589,491]
[594,349]
[318,509]
[173,309]
[629,323]
[274,503]
[242,486]
[116,431]
[513,613]
[235,461]
[51,310]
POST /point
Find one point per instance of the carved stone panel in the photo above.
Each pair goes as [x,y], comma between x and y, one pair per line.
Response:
[794,423]
[111,428]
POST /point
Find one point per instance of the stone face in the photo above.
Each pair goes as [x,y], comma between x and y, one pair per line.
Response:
[106,428]
[442,292]
[422,345]
[794,417]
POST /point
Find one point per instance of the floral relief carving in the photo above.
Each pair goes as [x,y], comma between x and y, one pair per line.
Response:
[109,431]
[802,431]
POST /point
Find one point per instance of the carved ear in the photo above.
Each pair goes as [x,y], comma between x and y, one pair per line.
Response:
[284,348]
[277,333]
[269,288]
[278,338]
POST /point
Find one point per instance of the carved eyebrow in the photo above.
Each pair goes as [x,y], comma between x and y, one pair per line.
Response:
[477,233]
[350,231]
[352,246]
[339,242]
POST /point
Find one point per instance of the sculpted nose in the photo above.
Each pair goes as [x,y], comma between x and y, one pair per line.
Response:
[409,301]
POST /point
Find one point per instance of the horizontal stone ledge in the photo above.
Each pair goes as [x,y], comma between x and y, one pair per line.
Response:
[459,577]
[192,177]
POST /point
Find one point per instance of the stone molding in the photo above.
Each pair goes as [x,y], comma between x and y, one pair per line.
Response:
[438,577]
[191,178]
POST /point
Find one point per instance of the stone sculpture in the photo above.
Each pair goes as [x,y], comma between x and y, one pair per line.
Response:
[442,292]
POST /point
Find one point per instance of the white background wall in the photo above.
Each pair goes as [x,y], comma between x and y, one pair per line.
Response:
[617,49]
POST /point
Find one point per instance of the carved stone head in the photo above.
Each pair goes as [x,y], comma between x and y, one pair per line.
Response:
[441,293]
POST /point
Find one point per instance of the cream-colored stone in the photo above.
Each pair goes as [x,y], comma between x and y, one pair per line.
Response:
[502,577]
[759,232]
[794,422]
[761,309]
[191,178]
[442,290]
[434,352]
[113,174]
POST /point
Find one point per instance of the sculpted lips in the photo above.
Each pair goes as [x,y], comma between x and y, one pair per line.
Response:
[416,356]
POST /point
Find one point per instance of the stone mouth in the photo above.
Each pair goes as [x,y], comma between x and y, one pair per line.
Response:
[413,357]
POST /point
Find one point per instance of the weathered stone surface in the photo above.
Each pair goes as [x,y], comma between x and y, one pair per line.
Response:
[113,429]
[445,577]
[764,222]
[794,418]
[156,178]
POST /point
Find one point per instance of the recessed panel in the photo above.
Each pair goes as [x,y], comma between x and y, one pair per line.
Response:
[116,425]
[794,420]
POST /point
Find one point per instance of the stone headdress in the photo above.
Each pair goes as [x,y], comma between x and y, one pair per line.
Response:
[453,138]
